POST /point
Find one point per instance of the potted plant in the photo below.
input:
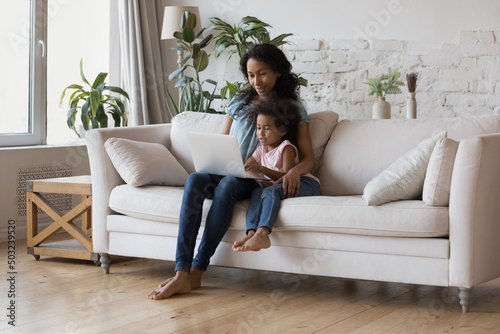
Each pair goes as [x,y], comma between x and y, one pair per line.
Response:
[381,86]
[192,95]
[94,104]
[238,39]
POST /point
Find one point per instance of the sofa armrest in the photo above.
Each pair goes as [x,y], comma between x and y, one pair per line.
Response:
[475,212]
[104,175]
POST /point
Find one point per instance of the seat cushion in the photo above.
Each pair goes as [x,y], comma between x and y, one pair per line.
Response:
[336,214]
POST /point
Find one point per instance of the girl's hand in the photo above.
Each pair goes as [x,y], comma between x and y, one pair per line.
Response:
[291,183]
[253,168]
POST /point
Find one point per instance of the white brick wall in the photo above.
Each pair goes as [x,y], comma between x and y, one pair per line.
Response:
[454,79]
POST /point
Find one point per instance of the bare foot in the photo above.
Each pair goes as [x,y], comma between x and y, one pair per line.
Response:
[257,242]
[180,284]
[194,278]
[238,244]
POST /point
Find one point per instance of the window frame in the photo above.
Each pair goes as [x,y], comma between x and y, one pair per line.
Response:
[37,117]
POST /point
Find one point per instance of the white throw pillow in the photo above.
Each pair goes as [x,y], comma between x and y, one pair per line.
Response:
[141,163]
[404,178]
[439,171]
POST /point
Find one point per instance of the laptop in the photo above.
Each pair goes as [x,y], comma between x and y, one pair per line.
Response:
[218,154]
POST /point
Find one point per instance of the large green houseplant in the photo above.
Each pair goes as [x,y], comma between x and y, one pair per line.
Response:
[249,31]
[192,94]
[94,104]
[239,38]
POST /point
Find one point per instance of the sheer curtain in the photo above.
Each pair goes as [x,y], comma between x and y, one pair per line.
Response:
[138,58]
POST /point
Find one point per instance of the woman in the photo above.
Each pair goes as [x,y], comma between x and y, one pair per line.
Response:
[268,71]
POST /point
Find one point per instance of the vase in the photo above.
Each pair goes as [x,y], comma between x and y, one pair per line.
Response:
[381,109]
[411,106]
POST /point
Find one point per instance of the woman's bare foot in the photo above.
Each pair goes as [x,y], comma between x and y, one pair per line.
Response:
[238,244]
[257,241]
[180,284]
[194,278]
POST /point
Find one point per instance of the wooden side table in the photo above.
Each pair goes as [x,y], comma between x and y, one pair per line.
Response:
[80,247]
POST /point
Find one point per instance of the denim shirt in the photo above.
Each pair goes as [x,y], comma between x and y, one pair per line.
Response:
[244,129]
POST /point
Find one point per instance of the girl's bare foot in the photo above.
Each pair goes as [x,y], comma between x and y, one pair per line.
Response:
[180,284]
[237,244]
[257,241]
[194,278]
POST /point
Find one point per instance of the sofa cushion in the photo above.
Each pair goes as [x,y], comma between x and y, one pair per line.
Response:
[404,178]
[342,214]
[359,150]
[321,125]
[141,163]
[439,171]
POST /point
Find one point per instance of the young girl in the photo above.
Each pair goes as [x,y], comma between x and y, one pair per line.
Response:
[276,121]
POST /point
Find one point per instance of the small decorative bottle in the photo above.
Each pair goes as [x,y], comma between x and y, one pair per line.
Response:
[411,106]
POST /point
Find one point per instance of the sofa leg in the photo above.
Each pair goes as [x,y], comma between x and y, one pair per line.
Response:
[105,262]
[465,298]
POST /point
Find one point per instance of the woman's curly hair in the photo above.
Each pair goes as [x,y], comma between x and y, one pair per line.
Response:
[287,84]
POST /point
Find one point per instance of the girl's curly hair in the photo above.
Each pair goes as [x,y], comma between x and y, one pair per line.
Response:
[285,114]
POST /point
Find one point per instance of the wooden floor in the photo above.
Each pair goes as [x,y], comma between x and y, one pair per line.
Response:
[55,295]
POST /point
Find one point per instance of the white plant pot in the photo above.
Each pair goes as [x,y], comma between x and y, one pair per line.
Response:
[381,109]
[411,106]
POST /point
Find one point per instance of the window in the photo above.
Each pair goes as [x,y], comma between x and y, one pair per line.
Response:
[21,61]
[42,57]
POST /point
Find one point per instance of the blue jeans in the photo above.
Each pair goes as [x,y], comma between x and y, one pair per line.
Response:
[266,202]
[225,192]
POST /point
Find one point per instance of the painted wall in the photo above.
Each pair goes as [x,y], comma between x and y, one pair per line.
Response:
[454,46]
[16,158]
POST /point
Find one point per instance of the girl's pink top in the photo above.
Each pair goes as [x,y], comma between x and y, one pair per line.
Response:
[274,158]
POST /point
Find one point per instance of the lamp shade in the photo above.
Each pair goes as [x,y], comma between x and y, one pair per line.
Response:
[172,20]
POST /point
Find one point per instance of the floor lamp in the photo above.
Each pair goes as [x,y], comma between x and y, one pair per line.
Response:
[172,23]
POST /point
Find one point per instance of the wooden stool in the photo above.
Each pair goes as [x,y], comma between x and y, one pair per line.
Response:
[81,246]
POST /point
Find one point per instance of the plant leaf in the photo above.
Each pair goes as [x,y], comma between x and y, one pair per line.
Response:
[218,24]
[85,114]
[191,21]
[184,17]
[196,49]
[279,39]
[99,79]
[70,120]
[81,72]
[95,99]
[200,62]
[176,73]
[117,90]
[178,35]
[205,41]
[183,81]
[188,34]
[198,34]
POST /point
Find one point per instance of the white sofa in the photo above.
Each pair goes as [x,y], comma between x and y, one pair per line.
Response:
[337,234]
